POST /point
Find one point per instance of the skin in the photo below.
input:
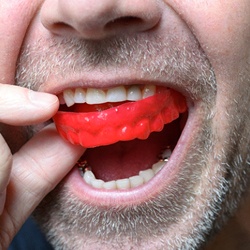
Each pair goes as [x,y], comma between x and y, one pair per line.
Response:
[219,34]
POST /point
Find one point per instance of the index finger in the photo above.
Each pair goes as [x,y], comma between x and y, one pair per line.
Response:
[20,106]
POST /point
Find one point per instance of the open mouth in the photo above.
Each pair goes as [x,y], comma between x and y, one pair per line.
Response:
[130,132]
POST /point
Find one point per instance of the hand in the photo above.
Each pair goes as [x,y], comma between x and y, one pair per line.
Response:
[28,175]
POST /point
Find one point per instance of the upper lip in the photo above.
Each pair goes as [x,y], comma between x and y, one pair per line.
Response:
[57,87]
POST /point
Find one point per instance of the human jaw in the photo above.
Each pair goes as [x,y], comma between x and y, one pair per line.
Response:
[188,168]
[173,175]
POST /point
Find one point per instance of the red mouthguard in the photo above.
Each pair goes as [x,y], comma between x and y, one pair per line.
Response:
[125,122]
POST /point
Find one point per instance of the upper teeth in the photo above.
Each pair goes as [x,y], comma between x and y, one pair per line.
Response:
[97,96]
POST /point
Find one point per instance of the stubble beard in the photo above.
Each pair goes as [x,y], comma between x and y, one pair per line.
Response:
[180,218]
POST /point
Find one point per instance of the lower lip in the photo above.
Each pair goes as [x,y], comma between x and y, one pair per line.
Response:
[162,181]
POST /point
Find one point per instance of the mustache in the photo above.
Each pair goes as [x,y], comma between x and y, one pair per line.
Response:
[169,59]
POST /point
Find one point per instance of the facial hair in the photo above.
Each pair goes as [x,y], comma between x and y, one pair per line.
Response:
[71,224]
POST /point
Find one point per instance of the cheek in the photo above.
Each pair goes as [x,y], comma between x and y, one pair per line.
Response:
[222,29]
[15,17]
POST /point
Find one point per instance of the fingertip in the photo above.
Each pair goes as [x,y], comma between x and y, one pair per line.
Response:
[21,106]
[43,100]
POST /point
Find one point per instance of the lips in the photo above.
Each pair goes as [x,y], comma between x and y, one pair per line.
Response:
[128,142]
[99,124]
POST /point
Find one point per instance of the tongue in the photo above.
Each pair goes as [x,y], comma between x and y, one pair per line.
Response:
[126,159]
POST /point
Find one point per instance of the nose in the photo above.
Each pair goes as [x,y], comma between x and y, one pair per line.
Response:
[98,19]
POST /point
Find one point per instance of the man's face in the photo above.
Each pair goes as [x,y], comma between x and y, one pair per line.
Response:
[198,52]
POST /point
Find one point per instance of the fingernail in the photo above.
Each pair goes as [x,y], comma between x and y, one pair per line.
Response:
[42,99]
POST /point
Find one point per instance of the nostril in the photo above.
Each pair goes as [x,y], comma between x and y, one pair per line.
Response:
[118,25]
[122,22]
[61,26]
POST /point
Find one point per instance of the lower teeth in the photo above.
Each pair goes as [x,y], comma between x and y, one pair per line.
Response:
[128,183]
